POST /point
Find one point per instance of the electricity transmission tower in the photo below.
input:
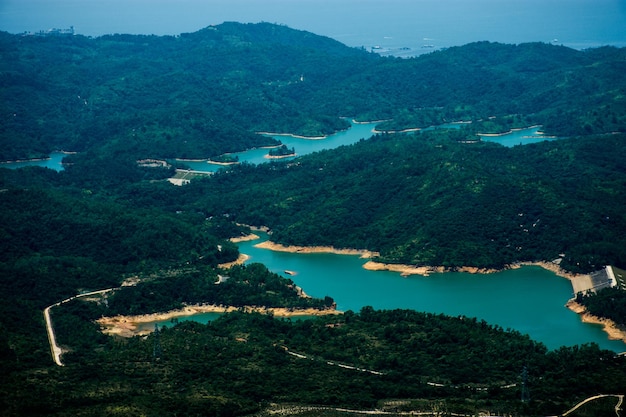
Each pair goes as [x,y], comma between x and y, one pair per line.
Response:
[156,352]
[525,393]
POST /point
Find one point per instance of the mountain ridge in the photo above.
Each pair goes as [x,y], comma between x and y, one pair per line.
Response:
[205,93]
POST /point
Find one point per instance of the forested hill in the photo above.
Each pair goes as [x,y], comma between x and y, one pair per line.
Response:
[205,93]
[427,199]
[432,198]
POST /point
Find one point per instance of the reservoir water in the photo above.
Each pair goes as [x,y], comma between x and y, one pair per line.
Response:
[53,162]
[530,299]
[518,137]
[356,132]
[302,146]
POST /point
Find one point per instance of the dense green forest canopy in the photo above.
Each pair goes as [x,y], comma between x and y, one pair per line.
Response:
[608,302]
[242,363]
[202,94]
[427,198]
[120,98]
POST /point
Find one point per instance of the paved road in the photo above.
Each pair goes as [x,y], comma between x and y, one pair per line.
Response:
[595,397]
[55,349]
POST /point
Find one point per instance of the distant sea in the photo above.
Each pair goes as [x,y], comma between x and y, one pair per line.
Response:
[396,27]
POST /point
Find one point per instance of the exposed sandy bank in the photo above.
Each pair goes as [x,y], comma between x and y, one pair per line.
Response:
[225,164]
[390,131]
[517,129]
[406,270]
[366,122]
[552,267]
[611,328]
[291,155]
[579,281]
[426,270]
[245,238]
[240,260]
[292,135]
[315,249]
[127,326]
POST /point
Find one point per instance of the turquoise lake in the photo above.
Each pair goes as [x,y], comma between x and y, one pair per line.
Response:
[356,132]
[530,300]
[302,146]
[519,137]
[53,162]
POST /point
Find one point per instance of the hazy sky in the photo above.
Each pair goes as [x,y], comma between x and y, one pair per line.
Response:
[579,23]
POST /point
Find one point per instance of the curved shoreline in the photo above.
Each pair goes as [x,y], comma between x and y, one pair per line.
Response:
[242,258]
[225,164]
[517,129]
[292,135]
[127,326]
[245,238]
[391,132]
[613,331]
[363,253]
[291,155]
[609,327]
[46,158]
[406,270]
[367,122]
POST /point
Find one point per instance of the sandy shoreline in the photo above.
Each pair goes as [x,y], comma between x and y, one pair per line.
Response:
[613,331]
[367,122]
[315,249]
[411,129]
[127,326]
[406,270]
[609,326]
[292,135]
[47,158]
[245,238]
[517,129]
[552,267]
[426,270]
[224,164]
[291,155]
[190,160]
[239,261]
[25,160]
